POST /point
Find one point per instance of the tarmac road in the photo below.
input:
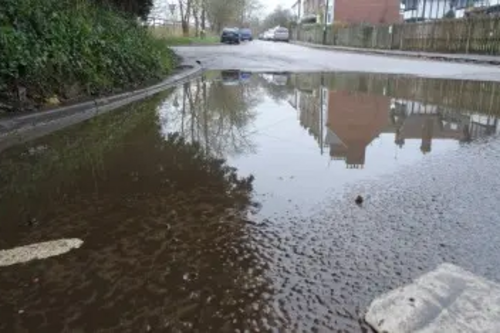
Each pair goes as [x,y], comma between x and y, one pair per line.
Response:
[263,56]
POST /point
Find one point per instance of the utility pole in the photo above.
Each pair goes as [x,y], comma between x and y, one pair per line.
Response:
[325,20]
[299,26]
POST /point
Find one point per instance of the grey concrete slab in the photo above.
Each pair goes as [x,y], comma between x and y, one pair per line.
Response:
[448,299]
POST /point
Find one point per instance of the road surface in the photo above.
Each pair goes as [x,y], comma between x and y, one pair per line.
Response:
[269,56]
[175,240]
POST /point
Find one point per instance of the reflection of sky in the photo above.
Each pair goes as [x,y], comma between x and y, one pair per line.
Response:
[168,118]
[288,164]
[287,160]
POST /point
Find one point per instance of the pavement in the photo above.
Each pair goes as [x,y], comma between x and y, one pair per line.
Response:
[261,56]
[457,57]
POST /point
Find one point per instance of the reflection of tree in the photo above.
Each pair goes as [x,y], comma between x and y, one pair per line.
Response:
[165,246]
[55,158]
[278,85]
[214,114]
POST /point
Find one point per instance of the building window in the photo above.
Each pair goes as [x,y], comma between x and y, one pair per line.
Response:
[329,18]
[329,13]
[411,4]
[459,4]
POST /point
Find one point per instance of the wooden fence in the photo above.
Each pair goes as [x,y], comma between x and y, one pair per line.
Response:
[472,35]
[471,96]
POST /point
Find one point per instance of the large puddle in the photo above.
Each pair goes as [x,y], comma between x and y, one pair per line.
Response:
[227,204]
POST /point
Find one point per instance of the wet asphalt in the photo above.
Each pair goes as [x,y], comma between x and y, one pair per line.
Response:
[270,56]
[228,203]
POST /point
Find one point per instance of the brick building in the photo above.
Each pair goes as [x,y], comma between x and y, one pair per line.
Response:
[351,11]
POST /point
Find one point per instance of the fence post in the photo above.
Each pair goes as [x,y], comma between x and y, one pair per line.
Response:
[401,36]
[391,31]
[448,35]
[467,45]
[433,36]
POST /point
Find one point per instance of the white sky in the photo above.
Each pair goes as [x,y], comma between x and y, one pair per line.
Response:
[270,5]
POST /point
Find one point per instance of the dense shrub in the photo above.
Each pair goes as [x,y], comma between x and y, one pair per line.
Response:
[52,47]
[136,8]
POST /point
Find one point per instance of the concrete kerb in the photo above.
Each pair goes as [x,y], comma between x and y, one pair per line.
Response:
[199,44]
[402,54]
[18,129]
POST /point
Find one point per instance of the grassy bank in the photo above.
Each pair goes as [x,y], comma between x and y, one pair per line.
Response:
[55,50]
[179,40]
[173,40]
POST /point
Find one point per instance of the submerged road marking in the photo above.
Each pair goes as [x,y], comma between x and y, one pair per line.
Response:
[22,254]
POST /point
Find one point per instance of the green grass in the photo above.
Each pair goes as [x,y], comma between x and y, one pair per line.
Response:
[180,40]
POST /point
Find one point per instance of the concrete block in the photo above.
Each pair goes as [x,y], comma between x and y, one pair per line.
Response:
[448,299]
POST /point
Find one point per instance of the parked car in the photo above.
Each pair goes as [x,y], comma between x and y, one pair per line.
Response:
[230,36]
[268,35]
[235,77]
[246,34]
[281,35]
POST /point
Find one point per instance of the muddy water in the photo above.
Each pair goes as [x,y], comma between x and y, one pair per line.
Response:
[227,204]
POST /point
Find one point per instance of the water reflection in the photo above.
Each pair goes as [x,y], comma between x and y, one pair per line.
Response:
[345,114]
[312,131]
[178,239]
[165,245]
[217,112]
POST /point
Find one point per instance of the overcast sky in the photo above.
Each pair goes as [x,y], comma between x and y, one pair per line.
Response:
[161,6]
[269,5]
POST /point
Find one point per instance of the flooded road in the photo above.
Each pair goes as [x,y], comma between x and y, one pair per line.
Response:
[227,204]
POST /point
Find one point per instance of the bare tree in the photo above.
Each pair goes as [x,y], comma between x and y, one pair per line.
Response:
[222,13]
[185,11]
[280,16]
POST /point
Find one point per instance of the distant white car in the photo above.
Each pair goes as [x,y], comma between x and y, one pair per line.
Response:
[281,35]
[268,35]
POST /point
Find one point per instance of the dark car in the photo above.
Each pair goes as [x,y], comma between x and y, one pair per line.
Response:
[246,34]
[235,77]
[230,36]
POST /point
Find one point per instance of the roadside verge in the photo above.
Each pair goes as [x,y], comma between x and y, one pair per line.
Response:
[20,128]
[460,58]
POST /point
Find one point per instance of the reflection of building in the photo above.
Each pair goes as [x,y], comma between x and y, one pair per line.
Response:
[482,125]
[309,107]
[414,120]
[354,119]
